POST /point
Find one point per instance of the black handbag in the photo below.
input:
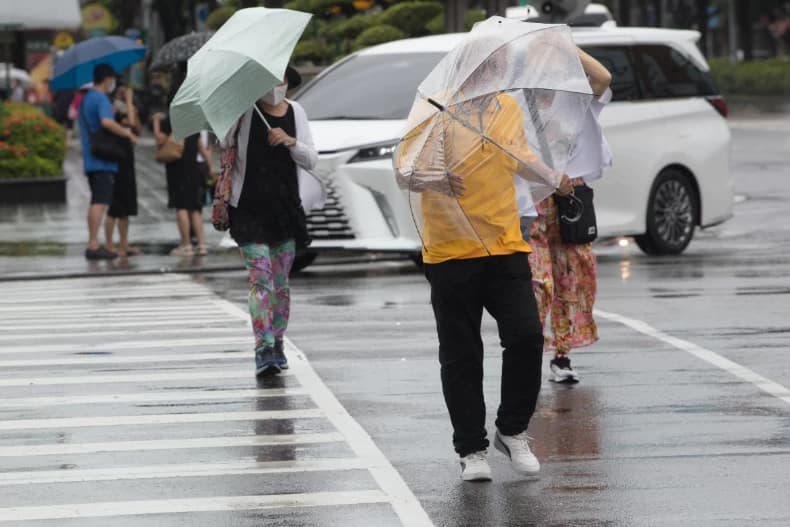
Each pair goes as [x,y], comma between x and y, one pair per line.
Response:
[108,146]
[105,144]
[577,216]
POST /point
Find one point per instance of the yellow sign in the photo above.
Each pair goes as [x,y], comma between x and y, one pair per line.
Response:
[96,17]
[63,40]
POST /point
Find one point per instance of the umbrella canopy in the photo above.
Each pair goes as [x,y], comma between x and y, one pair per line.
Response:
[492,126]
[180,49]
[244,59]
[8,71]
[75,67]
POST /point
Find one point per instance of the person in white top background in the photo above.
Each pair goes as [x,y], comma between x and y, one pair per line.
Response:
[564,275]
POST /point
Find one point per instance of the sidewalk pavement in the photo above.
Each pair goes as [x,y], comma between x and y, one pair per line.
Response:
[47,240]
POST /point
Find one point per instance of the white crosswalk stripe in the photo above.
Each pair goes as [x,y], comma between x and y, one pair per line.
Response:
[151,379]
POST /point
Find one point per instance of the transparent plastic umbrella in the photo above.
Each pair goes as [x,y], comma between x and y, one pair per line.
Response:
[494,121]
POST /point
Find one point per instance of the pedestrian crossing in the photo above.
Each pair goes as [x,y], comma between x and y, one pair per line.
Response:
[132,401]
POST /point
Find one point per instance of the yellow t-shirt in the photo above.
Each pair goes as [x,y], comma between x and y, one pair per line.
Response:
[484,221]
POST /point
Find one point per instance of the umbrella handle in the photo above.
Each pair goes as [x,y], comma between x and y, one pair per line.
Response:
[261,116]
[579,210]
[434,103]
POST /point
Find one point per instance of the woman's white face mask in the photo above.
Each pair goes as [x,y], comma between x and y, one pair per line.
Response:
[276,95]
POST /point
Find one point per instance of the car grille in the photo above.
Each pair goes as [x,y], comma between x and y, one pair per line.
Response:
[330,222]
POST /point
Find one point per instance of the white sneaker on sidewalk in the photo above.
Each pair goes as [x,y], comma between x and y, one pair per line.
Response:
[474,467]
[517,449]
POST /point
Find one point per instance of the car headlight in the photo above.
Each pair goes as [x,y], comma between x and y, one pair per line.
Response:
[374,152]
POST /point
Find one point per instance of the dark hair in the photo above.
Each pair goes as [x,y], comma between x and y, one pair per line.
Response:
[101,72]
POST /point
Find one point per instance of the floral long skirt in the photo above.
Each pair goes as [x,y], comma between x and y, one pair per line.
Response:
[270,294]
[564,281]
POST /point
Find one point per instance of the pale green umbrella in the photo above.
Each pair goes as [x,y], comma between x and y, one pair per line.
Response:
[244,59]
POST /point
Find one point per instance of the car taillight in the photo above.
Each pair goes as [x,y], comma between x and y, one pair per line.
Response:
[718,102]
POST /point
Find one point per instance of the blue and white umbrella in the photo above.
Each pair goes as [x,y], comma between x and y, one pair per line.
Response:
[75,67]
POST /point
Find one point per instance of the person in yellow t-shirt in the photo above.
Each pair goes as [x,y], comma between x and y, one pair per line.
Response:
[475,259]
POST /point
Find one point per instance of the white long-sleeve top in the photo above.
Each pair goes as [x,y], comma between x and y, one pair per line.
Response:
[304,154]
[591,153]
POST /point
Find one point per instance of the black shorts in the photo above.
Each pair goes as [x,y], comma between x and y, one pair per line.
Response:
[101,184]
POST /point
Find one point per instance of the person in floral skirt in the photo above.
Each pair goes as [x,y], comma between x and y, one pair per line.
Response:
[564,275]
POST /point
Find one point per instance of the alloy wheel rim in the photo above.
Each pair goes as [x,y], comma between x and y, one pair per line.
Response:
[673,213]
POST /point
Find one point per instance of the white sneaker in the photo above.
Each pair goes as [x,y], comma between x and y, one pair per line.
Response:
[474,467]
[562,372]
[517,449]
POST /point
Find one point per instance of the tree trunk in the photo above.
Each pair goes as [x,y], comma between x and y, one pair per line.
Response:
[454,12]
[625,12]
[702,24]
[171,14]
[127,13]
[744,17]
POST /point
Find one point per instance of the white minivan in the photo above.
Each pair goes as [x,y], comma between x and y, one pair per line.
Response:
[666,127]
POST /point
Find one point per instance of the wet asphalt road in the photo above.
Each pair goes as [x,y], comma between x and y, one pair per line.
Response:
[143,394]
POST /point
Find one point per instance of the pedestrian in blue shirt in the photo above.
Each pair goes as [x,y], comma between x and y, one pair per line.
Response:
[95,112]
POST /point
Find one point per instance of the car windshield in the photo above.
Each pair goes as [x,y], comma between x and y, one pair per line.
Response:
[368,87]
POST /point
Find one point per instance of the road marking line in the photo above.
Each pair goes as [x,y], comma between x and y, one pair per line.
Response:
[185,323]
[98,308]
[148,397]
[61,336]
[136,377]
[131,359]
[763,383]
[241,468]
[403,501]
[103,297]
[188,505]
[60,449]
[129,345]
[157,419]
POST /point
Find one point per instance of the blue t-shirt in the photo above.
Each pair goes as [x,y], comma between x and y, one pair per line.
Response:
[95,106]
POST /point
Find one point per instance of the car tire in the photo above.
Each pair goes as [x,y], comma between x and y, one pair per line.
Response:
[302,260]
[672,212]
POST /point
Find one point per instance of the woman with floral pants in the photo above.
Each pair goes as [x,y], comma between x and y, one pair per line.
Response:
[270,186]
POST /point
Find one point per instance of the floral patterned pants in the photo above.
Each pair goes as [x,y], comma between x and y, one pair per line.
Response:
[270,295]
[563,278]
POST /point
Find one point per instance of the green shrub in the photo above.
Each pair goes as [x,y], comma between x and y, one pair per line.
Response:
[472,16]
[411,17]
[320,6]
[299,5]
[350,28]
[377,35]
[31,144]
[219,16]
[312,50]
[764,77]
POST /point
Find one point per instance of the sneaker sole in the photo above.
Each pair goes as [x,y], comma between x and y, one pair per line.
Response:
[564,379]
[272,369]
[502,447]
[480,476]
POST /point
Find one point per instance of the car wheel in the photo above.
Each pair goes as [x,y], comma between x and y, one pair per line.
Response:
[302,260]
[672,212]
